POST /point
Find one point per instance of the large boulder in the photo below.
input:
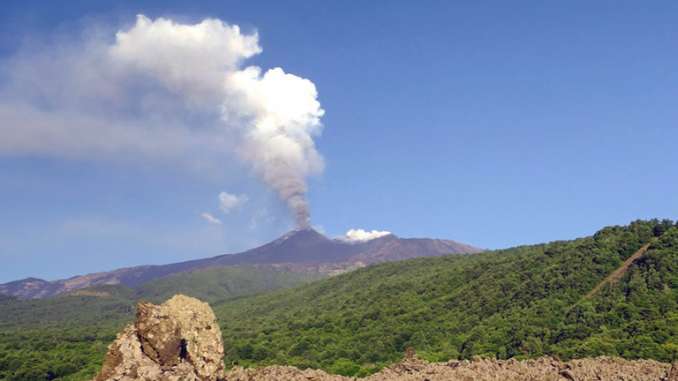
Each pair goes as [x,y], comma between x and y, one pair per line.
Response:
[177,340]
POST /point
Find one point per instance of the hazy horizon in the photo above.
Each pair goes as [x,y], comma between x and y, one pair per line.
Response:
[155,132]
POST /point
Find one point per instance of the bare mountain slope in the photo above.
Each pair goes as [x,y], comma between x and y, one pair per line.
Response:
[298,249]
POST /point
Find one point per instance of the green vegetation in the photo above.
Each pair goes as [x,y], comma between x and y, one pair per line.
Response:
[67,337]
[63,338]
[522,302]
[216,284]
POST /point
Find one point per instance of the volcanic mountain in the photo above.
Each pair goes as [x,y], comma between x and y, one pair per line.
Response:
[298,250]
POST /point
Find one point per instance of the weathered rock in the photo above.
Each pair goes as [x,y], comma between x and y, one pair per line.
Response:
[673,373]
[177,340]
[541,369]
[282,373]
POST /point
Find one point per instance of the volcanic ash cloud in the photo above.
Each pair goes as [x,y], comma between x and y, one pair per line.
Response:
[274,114]
[166,91]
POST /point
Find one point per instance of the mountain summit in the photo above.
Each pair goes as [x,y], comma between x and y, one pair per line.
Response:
[299,249]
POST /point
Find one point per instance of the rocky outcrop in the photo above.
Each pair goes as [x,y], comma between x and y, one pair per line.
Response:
[280,373]
[545,368]
[542,369]
[178,340]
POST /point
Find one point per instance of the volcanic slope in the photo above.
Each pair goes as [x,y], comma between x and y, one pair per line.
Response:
[301,250]
[521,302]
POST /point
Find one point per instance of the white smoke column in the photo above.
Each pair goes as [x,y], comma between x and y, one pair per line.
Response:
[275,115]
[278,135]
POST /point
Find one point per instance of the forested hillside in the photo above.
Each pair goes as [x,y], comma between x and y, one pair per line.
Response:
[216,284]
[522,302]
[66,337]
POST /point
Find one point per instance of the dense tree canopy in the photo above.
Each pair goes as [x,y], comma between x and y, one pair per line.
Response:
[522,302]
[66,337]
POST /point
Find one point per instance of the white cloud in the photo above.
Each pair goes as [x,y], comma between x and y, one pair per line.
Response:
[360,235]
[165,92]
[210,218]
[228,201]
[191,60]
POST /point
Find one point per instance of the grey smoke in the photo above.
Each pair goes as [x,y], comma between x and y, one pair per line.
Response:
[169,92]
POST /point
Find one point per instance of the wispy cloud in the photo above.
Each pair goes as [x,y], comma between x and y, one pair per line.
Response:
[229,201]
[210,218]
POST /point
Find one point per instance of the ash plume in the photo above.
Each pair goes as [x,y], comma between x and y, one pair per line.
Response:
[277,137]
[167,91]
[274,115]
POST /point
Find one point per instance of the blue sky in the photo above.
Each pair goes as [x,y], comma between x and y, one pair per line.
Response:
[490,123]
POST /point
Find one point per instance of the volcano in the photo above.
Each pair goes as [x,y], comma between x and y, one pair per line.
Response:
[299,249]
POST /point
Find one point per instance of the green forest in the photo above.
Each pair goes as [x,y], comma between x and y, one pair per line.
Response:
[67,337]
[522,302]
[527,301]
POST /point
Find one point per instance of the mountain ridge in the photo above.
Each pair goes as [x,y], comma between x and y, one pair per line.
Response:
[525,301]
[299,249]
[516,303]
